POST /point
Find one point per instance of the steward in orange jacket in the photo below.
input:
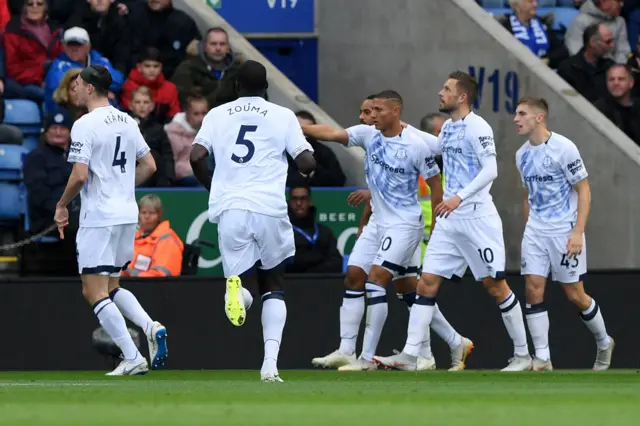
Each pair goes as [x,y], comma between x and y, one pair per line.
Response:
[158,254]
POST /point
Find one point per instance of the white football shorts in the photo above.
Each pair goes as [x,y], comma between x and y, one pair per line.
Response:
[542,254]
[458,243]
[247,237]
[390,248]
[105,250]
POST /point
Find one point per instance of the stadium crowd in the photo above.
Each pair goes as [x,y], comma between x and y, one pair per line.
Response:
[167,75]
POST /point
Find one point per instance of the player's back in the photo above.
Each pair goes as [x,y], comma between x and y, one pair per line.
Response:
[249,138]
[548,172]
[109,141]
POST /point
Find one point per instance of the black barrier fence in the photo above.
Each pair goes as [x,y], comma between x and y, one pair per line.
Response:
[46,324]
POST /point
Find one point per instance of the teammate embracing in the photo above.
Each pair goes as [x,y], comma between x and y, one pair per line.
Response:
[469,228]
[556,209]
[394,159]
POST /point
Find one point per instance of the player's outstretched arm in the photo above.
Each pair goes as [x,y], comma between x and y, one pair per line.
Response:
[306,162]
[584,204]
[326,133]
[145,169]
[199,165]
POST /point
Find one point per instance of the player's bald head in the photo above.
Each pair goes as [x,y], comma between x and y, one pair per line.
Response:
[252,78]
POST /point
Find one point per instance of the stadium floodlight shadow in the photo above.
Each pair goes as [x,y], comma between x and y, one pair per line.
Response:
[105,346]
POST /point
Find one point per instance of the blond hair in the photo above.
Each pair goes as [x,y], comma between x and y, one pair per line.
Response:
[61,94]
[151,201]
[142,90]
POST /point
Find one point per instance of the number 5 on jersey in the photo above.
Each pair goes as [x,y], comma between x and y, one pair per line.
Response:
[251,149]
[122,161]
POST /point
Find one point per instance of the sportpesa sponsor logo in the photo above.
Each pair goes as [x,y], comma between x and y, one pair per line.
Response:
[75,147]
[451,150]
[575,166]
[538,178]
[486,141]
[378,161]
[430,162]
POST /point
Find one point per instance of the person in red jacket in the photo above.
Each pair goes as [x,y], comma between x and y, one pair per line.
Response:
[5,15]
[30,40]
[148,72]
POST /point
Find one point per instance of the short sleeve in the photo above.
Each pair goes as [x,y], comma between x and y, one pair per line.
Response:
[360,135]
[482,140]
[427,162]
[204,135]
[433,142]
[574,168]
[296,143]
[142,148]
[81,144]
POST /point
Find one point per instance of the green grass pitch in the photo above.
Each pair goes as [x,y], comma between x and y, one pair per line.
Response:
[234,398]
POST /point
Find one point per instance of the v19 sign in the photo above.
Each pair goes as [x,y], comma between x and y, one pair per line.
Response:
[499,88]
[268,16]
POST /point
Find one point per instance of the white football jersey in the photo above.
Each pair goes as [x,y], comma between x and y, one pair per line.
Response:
[248,139]
[109,142]
[462,143]
[392,166]
[549,171]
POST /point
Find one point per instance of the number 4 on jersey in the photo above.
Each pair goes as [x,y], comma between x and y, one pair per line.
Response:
[122,161]
[251,149]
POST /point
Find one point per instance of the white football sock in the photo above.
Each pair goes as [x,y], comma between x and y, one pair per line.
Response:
[377,310]
[514,323]
[351,313]
[113,322]
[274,317]
[538,322]
[419,322]
[131,308]
[409,299]
[592,318]
[443,329]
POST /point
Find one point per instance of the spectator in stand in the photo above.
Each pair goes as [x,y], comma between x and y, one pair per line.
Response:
[148,72]
[5,15]
[57,10]
[30,40]
[432,123]
[534,32]
[65,95]
[619,106]
[108,30]
[631,12]
[156,23]
[157,250]
[77,53]
[316,246]
[587,70]
[46,172]
[182,131]
[328,171]
[215,62]
[142,108]
[600,12]
[634,66]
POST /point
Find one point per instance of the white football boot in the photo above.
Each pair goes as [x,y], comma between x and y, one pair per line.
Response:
[139,366]
[519,363]
[359,364]
[603,357]
[459,355]
[335,359]
[158,351]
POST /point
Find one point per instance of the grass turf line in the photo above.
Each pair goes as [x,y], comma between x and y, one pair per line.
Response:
[238,398]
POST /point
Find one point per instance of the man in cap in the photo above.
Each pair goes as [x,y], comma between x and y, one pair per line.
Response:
[77,53]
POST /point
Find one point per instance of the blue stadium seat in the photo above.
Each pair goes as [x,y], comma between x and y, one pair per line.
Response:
[499,11]
[487,4]
[11,158]
[547,3]
[565,3]
[12,205]
[345,262]
[30,143]
[23,114]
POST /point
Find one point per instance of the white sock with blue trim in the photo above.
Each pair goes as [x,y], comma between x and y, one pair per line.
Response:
[377,310]
[514,323]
